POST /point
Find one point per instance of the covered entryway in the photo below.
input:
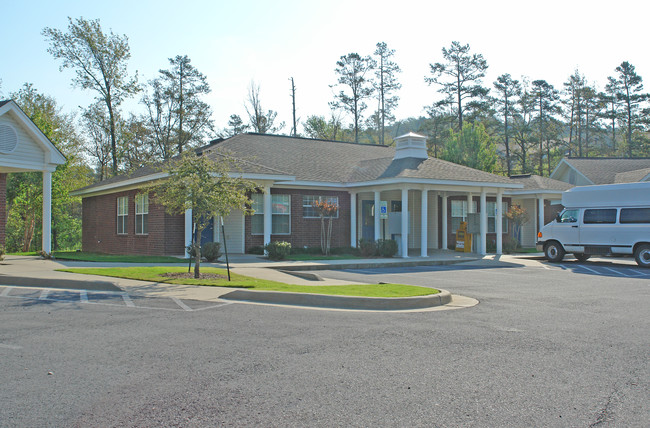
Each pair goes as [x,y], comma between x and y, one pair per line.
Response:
[23,147]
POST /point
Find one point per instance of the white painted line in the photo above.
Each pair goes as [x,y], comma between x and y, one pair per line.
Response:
[640,273]
[616,272]
[6,291]
[215,306]
[181,304]
[2,345]
[83,296]
[44,294]
[127,300]
[590,269]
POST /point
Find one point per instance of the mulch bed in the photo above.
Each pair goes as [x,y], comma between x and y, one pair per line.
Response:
[190,275]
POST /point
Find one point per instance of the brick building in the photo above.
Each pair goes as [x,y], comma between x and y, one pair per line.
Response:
[425,199]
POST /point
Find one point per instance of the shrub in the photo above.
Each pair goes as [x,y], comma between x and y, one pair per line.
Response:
[510,244]
[2,253]
[257,249]
[278,250]
[190,250]
[367,248]
[386,247]
[211,251]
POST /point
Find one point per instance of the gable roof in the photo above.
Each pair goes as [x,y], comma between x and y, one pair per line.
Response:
[605,170]
[52,155]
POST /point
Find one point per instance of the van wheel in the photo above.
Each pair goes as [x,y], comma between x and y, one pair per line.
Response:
[554,252]
[642,255]
[581,256]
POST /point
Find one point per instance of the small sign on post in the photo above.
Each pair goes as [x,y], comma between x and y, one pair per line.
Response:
[383,210]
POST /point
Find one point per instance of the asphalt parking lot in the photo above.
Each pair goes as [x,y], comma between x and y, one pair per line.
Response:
[548,345]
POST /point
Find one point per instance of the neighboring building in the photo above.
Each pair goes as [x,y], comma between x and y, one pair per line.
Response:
[23,147]
[589,171]
[426,199]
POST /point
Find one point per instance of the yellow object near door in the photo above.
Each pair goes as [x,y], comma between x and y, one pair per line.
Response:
[463,239]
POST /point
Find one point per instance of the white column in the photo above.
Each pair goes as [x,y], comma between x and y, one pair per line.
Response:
[469,203]
[268,215]
[353,219]
[377,217]
[434,221]
[188,231]
[443,213]
[540,209]
[405,223]
[499,221]
[47,212]
[483,218]
[424,238]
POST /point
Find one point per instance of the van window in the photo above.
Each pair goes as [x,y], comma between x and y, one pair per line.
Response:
[603,216]
[569,216]
[635,215]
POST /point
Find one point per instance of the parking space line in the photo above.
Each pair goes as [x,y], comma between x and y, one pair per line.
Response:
[127,300]
[6,291]
[591,270]
[640,273]
[83,296]
[214,306]
[181,304]
[44,294]
[615,271]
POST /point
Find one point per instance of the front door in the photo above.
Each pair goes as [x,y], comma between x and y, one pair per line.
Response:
[368,220]
[567,229]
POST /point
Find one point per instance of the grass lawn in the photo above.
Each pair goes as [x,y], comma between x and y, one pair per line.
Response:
[156,274]
[97,257]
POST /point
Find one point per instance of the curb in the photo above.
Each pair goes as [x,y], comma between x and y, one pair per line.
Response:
[369,265]
[340,302]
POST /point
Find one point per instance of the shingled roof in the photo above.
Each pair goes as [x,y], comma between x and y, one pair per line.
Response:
[606,170]
[320,161]
[537,182]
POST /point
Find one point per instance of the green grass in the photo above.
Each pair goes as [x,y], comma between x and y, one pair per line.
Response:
[154,274]
[97,257]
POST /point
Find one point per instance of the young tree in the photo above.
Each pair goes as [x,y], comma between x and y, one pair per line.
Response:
[508,89]
[352,70]
[320,128]
[236,126]
[100,64]
[325,210]
[459,79]
[386,83]
[628,87]
[261,122]
[208,187]
[546,97]
[472,147]
[176,114]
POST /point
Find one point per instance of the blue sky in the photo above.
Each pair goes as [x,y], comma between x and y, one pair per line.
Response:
[234,42]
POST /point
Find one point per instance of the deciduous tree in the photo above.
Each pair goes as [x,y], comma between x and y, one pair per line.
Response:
[262,122]
[208,187]
[99,61]
[508,89]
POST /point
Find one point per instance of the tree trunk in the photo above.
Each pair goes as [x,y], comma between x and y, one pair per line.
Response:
[506,132]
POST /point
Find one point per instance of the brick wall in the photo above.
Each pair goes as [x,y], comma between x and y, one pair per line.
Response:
[307,231]
[3,207]
[99,228]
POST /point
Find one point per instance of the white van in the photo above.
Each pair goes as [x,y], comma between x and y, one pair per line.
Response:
[610,219]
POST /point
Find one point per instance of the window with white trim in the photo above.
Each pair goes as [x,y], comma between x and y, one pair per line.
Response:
[280,214]
[142,214]
[459,213]
[308,210]
[122,214]
[492,213]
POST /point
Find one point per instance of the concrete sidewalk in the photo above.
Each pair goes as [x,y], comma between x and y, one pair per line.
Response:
[25,270]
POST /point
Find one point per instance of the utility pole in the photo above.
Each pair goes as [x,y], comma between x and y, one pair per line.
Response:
[293,102]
